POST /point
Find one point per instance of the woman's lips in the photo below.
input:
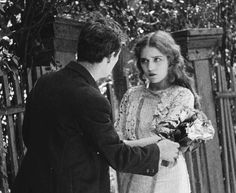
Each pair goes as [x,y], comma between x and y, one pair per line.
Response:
[151,74]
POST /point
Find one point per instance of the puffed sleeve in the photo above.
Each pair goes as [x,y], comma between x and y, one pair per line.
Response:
[183,98]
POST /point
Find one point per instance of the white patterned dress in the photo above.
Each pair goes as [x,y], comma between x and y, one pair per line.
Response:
[141,108]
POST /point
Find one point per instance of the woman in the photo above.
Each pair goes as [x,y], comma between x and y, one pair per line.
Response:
[167,86]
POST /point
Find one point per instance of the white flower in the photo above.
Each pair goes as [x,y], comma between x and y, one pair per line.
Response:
[200,130]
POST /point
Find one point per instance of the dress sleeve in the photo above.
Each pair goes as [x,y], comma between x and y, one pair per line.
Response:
[175,112]
[120,123]
[179,114]
[184,97]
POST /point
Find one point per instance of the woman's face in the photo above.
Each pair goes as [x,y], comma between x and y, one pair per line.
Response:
[154,64]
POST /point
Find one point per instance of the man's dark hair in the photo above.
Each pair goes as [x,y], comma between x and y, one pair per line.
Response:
[97,40]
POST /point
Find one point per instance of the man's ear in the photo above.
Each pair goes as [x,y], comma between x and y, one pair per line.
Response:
[110,56]
[114,54]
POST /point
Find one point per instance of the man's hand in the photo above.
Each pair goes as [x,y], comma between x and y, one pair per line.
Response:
[169,150]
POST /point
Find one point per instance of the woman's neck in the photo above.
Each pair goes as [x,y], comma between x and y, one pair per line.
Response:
[159,85]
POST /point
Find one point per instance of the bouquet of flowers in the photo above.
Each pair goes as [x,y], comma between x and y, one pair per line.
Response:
[187,126]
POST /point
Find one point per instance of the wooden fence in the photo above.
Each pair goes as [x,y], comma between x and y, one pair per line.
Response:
[211,168]
[205,165]
[9,122]
[226,117]
[12,100]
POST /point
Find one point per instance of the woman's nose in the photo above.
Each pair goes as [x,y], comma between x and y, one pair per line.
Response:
[151,66]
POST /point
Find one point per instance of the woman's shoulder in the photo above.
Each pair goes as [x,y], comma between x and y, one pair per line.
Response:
[181,93]
[182,90]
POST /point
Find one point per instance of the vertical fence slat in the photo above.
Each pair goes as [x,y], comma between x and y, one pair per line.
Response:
[232,136]
[223,134]
[11,130]
[228,128]
[17,89]
[229,149]
[189,162]
[231,145]
[3,166]
[204,167]
[29,79]
[233,85]
[19,116]
[198,176]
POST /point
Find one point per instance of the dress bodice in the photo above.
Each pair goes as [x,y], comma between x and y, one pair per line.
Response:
[142,109]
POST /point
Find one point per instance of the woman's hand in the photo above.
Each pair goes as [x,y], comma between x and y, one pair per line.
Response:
[169,150]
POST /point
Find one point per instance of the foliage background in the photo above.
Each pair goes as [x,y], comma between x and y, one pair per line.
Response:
[23,25]
[22,22]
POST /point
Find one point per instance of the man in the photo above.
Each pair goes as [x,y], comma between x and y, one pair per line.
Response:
[68,131]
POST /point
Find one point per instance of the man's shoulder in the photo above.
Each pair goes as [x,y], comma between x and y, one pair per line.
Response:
[87,95]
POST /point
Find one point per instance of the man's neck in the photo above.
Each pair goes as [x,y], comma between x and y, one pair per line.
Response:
[92,68]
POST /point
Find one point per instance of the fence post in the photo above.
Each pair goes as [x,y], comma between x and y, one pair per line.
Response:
[197,46]
[66,33]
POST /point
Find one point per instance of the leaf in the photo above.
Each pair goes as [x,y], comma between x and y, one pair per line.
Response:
[15,60]
[1,8]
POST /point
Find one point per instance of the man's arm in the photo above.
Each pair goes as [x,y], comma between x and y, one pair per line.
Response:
[98,126]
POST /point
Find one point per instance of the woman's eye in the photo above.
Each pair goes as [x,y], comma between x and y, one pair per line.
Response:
[157,59]
[143,61]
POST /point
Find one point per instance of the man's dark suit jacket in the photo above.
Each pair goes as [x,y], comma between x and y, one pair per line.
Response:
[71,140]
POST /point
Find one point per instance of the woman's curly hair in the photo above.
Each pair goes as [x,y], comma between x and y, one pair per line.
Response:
[165,43]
